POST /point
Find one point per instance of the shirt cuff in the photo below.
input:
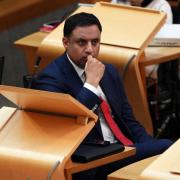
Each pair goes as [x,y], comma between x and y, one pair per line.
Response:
[92,88]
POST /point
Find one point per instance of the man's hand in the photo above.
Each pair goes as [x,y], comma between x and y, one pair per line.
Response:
[94,70]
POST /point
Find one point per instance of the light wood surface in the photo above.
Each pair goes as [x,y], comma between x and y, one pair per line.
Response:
[30,45]
[156,55]
[44,101]
[132,171]
[176,167]
[164,167]
[30,147]
[52,135]
[126,18]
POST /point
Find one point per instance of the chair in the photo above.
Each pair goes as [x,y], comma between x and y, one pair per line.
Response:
[1,67]
[29,78]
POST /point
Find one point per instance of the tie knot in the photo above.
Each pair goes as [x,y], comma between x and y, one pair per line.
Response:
[101,98]
[83,76]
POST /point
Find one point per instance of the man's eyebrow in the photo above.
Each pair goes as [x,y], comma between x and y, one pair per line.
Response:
[81,39]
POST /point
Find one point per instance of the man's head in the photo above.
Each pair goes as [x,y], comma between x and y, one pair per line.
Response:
[82,34]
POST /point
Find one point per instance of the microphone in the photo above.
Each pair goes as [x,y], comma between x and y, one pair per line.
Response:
[36,65]
[28,79]
[33,75]
[1,67]
[164,124]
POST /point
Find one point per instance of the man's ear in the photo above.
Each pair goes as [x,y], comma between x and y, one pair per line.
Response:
[65,41]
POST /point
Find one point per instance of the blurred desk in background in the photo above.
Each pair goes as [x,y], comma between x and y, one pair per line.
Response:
[13,12]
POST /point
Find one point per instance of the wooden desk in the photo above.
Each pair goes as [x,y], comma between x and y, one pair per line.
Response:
[41,136]
[166,166]
[30,45]
[64,169]
[13,12]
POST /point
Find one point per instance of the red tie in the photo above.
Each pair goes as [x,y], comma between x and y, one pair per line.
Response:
[112,124]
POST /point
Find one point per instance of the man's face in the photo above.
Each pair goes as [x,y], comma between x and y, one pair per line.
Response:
[82,42]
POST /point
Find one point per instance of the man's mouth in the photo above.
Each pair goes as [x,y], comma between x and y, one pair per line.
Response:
[84,59]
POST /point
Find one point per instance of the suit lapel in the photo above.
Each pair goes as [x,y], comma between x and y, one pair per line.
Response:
[71,76]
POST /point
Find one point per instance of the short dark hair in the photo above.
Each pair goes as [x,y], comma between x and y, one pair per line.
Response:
[80,20]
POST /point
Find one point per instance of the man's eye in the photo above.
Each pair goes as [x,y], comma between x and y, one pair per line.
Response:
[94,42]
[81,42]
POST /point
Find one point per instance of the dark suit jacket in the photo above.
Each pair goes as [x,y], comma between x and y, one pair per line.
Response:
[60,76]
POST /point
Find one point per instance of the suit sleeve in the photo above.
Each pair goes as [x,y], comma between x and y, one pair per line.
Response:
[52,79]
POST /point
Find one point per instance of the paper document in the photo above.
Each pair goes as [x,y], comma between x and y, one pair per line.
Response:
[169,35]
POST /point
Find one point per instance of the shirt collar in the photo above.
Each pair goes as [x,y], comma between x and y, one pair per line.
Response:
[79,70]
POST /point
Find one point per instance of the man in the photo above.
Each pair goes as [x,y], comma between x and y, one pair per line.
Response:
[79,73]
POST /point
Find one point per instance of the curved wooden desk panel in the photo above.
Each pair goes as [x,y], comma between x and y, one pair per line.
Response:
[37,142]
[39,137]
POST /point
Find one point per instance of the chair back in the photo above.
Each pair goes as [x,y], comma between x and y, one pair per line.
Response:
[1,67]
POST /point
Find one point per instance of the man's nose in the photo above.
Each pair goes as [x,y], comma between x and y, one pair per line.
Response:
[89,47]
